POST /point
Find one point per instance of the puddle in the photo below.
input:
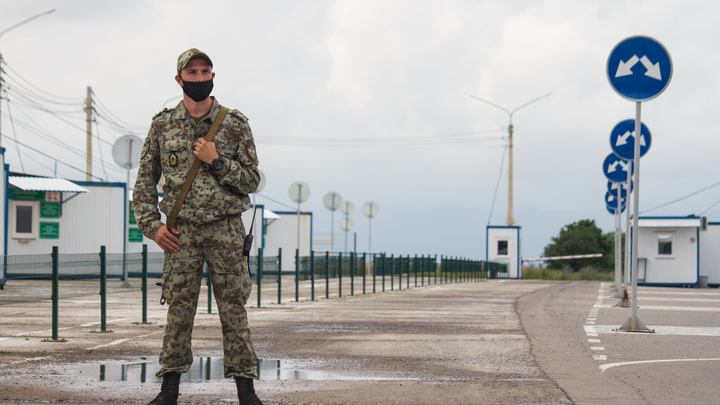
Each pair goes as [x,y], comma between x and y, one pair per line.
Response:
[203,369]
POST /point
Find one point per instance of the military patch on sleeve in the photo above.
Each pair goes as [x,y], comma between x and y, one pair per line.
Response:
[173,159]
[146,148]
[250,151]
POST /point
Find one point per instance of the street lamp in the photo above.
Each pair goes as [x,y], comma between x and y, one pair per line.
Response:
[42,13]
[510,220]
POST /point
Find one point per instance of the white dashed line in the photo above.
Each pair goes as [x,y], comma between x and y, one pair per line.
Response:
[629,363]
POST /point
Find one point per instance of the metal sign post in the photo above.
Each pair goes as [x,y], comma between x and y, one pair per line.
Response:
[126,153]
[638,69]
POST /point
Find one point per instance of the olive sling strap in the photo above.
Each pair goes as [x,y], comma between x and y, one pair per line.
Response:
[193,171]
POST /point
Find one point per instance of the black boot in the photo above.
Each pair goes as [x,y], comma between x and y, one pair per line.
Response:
[169,390]
[246,391]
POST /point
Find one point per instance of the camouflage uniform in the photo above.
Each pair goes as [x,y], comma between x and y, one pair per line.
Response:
[210,226]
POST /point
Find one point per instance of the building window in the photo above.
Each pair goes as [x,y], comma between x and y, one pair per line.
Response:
[664,244]
[502,248]
[24,219]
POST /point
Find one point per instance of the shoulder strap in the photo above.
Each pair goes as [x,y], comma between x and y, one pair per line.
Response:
[193,171]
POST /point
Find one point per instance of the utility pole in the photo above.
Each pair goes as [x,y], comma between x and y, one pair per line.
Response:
[510,220]
[88,108]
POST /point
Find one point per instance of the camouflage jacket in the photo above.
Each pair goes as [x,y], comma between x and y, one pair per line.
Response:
[168,151]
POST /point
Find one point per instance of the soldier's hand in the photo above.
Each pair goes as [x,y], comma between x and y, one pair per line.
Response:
[167,240]
[205,150]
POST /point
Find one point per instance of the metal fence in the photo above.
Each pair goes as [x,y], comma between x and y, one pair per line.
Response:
[29,277]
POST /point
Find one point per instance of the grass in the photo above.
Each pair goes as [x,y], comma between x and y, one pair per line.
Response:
[588,273]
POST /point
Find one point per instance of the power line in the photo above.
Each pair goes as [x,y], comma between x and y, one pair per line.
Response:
[502,162]
[682,198]
[45,154]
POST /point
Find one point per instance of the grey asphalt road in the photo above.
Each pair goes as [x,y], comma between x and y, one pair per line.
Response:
[493,342]
[573,331]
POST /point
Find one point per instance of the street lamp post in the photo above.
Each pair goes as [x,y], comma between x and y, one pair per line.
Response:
[510,220]
[1,34]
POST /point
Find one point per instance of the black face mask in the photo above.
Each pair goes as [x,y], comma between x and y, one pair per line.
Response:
[198,91]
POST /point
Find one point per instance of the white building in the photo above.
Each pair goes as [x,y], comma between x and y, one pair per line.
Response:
[503,244]
[670,250]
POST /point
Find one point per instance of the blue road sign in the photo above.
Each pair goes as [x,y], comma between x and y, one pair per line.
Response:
[622,139]
[639,68]
[613,187]
[612,210]
[616,169]
[612,201]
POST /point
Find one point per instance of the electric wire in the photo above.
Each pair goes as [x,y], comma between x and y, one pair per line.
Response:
[56,160]
[716,203]
[683,198]
[502,164]
[12,123]
[276,201]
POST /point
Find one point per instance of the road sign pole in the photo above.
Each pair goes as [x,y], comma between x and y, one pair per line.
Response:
[617,239]
[634,324]
[627,239]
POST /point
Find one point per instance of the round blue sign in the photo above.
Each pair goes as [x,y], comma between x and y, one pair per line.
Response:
[611,200]
[612,210]
[616,169]
[613,187]
[639,68]
[622,139]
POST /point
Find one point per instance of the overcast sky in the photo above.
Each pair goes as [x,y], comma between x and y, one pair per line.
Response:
[371,99]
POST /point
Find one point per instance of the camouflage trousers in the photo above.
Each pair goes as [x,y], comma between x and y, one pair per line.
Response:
[220,244]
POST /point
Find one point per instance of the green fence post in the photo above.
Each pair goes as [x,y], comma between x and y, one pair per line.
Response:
[103,290]
[279,279]
[374,267]
[400,270]
[144,283]
[382,255]
[392,272]
[352,273]
[297,275]
[364,272]
[208,283]
[258,276]
[55,293]
[327,275]
[339,267]
[312,275]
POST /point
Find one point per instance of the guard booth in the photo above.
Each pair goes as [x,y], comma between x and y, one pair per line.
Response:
[669,250]
[503,243]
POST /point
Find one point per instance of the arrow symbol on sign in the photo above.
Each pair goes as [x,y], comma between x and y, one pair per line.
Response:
[652,70]
[625,68]
[613,166]
[623,164]
[622,139]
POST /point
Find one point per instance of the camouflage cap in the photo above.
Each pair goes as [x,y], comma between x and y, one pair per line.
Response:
[190,54]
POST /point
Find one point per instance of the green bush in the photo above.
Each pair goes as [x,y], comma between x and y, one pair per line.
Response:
[586,273]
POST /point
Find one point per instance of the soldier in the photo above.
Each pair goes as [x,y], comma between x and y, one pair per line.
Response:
[209,226]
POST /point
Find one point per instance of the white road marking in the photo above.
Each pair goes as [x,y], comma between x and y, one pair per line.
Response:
[111,321]
[668,308]
[597,348]
[594,340]
[37,332]
[628,363]
[26,360]
[659,330]
[599,357]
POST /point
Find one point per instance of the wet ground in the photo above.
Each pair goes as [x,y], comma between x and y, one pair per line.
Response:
[494,342]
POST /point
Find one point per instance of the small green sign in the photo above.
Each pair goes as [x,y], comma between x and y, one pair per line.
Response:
[49,230]
[134,235]
[28,195]
[133,221]
[49,209]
